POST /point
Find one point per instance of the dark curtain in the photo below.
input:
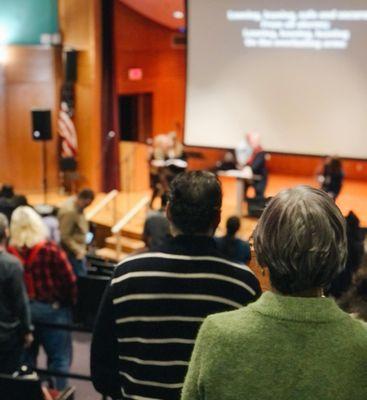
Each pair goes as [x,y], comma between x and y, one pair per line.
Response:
[110,143]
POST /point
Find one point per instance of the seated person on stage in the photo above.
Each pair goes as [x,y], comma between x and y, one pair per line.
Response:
[51,288]
[332,176]
[292,343]
[15,317]
[232,247]
[228,162]
[254,157]
[151,312]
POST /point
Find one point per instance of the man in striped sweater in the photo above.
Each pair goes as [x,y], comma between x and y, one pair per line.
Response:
[152,310]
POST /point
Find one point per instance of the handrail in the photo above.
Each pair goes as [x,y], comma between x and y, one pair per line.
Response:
[102,204]
[130,215]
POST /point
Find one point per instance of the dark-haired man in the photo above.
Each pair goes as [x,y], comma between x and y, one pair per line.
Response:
[74,228]
[15,319]
[152,310]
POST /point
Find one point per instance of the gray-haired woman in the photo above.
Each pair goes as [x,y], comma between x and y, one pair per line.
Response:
[292,343]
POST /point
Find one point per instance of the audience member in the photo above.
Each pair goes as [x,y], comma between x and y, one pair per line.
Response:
[74,228]
[232,247]
[354,301]
[355,239]
[15,319]
[152,310]
[156,227]
[332,176]
[49,218]
[292,343]
[51,287]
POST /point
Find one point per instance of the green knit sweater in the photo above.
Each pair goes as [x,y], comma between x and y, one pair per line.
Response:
[280,348]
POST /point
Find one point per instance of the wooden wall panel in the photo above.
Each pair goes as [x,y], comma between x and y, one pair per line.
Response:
[28,81]
[80,26]
[140,42]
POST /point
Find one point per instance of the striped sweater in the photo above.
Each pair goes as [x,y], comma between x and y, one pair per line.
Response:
[151,313]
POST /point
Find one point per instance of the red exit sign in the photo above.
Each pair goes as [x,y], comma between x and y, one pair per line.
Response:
[135,74]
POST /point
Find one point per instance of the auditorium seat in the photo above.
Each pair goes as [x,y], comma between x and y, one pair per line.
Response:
[27,389]
[90,292]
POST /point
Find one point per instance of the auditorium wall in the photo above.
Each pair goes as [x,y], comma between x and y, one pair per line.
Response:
[23,21]
[80,25]
[141,42]
[28,79]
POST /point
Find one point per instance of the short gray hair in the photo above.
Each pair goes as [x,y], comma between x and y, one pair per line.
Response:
[301,238]
[4,224]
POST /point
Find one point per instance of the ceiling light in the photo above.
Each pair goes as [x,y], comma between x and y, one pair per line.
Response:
[178,14]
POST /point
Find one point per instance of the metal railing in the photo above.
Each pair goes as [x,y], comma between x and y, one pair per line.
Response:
[111,196]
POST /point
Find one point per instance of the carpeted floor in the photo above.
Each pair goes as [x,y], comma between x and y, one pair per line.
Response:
[80,365]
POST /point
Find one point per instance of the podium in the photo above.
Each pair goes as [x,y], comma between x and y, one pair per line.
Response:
[243,176]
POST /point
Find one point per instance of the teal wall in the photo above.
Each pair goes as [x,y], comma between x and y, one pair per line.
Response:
[22,21]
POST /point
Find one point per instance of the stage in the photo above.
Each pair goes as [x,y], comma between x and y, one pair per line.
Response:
[353,197]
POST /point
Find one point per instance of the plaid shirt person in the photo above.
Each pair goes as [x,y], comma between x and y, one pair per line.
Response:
[48,274]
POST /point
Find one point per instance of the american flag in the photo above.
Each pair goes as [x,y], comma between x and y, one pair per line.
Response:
[65,125]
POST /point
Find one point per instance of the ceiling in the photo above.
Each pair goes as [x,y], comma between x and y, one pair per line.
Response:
[160,11]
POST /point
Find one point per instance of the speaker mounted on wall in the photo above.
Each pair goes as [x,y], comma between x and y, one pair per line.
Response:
[70,64]
[41,125]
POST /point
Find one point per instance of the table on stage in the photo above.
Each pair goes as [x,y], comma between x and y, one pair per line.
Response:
[243,176]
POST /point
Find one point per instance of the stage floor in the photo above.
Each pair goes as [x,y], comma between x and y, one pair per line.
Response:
[353,197]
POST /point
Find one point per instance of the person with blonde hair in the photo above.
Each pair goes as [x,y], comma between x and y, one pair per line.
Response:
[51,287]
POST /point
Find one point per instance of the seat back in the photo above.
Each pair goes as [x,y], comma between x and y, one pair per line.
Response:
[90,292]
[20,388]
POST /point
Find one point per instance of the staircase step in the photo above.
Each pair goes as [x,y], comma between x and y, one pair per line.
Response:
[110,254]
[128,244]
[133,232]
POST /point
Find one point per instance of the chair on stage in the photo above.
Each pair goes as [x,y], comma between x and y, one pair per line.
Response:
[18,388]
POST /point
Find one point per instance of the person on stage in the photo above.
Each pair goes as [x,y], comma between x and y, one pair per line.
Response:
[254,157]
[332,177]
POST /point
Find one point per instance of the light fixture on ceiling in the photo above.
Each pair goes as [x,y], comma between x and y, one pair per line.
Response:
[178,14]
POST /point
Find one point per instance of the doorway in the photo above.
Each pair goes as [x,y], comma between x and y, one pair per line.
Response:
[135,117]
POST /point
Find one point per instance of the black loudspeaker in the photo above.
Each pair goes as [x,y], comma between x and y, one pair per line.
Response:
[41,125]
[70,65]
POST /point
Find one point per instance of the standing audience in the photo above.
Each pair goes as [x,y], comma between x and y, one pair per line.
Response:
[51,287]
[74,228]
[355,239]
[232,247]
[151,312]
[292,343]
[15,319]
[156,227]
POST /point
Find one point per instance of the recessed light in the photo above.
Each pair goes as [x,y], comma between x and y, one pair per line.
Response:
[178,14]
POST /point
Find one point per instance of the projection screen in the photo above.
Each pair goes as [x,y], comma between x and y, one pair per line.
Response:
[294,72]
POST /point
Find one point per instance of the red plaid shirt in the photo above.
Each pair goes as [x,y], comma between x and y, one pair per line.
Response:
[49,277]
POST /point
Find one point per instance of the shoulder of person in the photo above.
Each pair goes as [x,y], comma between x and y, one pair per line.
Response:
[10,260]
[229,322]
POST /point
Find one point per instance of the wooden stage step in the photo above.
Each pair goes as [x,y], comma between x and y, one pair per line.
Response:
[110,254]
[128,244]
